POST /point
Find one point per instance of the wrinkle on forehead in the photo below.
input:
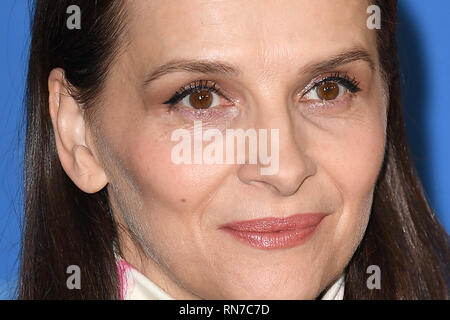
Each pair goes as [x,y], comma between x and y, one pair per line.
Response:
[186,28]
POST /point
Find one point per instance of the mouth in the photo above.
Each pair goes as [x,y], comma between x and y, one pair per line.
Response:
[275,233]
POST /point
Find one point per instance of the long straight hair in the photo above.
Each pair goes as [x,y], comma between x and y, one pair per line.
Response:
[65,226]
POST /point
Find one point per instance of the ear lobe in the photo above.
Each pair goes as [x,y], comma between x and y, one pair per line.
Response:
[69,127]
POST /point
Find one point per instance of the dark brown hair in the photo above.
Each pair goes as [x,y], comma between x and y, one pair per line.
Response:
[65,226]
[403,236]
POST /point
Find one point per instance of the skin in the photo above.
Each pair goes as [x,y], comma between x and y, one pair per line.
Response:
[330,154]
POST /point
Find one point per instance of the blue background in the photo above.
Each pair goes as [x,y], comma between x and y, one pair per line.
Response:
[424,45]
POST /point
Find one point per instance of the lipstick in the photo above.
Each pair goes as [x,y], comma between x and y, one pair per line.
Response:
[275,233]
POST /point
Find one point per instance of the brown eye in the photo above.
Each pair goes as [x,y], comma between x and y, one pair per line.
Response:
[328,90]
[201,99]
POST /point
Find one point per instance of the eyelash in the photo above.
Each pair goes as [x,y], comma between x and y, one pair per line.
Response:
[343,79]
[193,87]
[350,84]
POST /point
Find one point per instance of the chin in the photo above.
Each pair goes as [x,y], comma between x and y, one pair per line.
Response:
[286,289]
[255,294]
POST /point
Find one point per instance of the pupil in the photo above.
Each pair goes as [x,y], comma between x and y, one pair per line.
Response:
[200,99]
[328,91]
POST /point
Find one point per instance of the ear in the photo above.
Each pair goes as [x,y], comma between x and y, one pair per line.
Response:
[76,157]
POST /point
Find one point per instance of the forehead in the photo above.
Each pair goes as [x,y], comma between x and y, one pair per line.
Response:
[172,29]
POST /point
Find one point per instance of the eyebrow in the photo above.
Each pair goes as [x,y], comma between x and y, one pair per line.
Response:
[191,65]
[346,57]
[222,67]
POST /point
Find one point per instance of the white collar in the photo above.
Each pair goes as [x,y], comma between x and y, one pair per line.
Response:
[135,286]
[336,291]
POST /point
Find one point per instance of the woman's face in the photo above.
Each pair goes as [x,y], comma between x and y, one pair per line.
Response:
[307,68]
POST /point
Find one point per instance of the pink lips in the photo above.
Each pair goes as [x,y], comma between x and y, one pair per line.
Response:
[275,233]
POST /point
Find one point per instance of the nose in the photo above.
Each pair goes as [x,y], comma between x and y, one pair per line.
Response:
[293,167]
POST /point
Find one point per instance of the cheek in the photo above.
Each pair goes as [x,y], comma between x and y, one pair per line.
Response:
[160,180]
[355,148]
[356,162]
[353,163]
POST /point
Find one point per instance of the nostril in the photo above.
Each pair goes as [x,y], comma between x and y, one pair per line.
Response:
[263,184]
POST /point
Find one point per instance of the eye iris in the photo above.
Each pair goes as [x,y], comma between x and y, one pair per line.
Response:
[328,90]
[201,99]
